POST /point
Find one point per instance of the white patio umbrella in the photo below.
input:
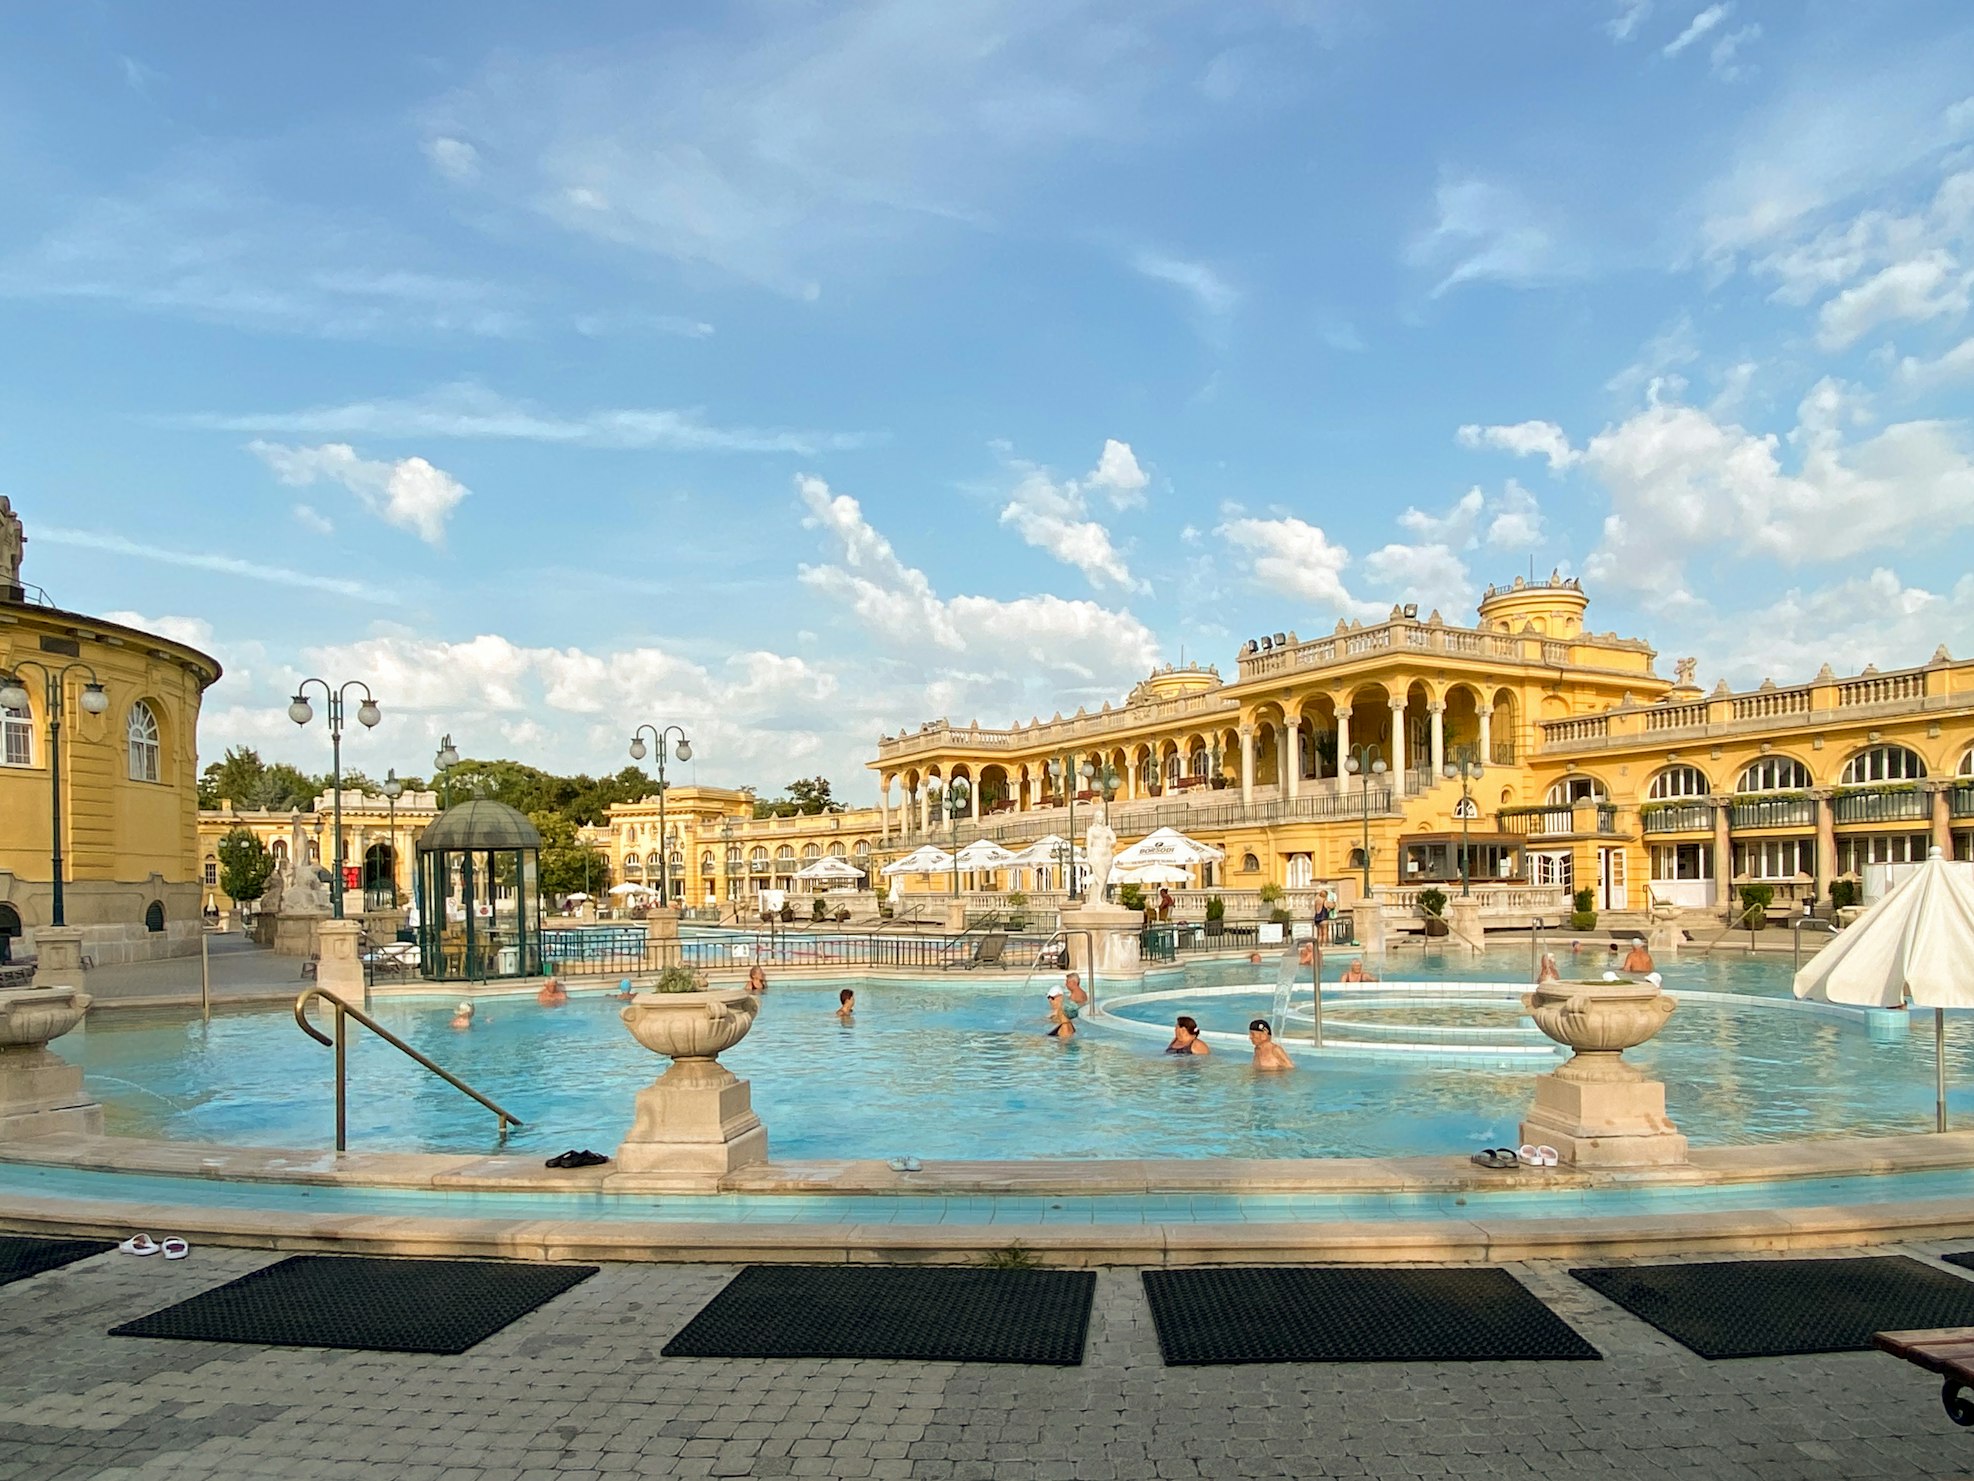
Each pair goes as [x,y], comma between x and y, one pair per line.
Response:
[829,867]
[1150,874]
[631,889]
[1050,851]
[1915,945]
[929,859]
[1168,846]
[983,853]
[578,896]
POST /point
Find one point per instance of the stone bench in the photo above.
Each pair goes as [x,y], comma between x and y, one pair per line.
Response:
[1947,1351]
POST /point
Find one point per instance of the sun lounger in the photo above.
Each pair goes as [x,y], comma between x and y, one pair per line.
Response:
[1947,1351]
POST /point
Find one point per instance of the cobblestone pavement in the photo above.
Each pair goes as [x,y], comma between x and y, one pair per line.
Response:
[577,1390]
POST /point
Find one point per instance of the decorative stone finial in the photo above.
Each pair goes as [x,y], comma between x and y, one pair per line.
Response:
[1940,655]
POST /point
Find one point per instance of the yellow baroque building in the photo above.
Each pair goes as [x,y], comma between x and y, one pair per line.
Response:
[720,853]
[128,775]
[379,843]
[1339,761]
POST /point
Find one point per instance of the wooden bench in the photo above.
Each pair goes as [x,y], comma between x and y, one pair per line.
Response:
[1948,1351]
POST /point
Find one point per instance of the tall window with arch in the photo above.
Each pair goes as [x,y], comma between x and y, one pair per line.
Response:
[1883,764]
[1576,789]
[16,736]
[1676,782]
[142,730]
[1774,774]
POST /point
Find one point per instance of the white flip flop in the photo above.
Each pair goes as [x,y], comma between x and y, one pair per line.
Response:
[1529,1153]
[1549,1156]
[175,1248]
[139,1244]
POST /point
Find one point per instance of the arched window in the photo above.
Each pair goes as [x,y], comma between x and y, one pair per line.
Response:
[1466,807]
[757,860]
[678,861]
[1173,770]
[154,916]
[1201,762]
[1300,871]
[733,858]
[1967,764]
[632,863]
[785,854]
[836,849]
[1883,764]
[142,730]
[211,871]
[279,849]
[16,736]
[706,861]
[1250,864]
[1774,774]
[1577,789]
[1678,781]
[863,848]
[811,852]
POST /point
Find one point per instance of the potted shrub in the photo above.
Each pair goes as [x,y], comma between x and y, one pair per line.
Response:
[1270,894]
[1281,916]
[1017,910]
[1843,893]
[1583,910]
[680,1017]
[788,915]
[1755,900]
[1131,896]
[1432,905]
[842,914]
[1216,915]
[818,910]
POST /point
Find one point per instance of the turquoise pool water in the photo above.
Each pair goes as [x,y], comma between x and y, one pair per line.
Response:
[958,1067]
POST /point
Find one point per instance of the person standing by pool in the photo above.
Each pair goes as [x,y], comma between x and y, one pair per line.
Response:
[1185,1037]
[1637,961]
[1062,1015]
[1268,1055]
[846,1004]
[757,979]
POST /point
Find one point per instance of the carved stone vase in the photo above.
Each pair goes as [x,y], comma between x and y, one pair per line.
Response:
[695,1123]
[1597,1110]
[41,1093]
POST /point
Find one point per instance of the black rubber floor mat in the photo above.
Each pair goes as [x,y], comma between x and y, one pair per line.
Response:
[942,1314]
[21,1257]
[1298,1314]
[374,1305]
[1963,1258]
[1776,1308]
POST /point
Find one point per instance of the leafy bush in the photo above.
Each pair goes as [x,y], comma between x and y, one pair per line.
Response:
[1755,900]
[1216,908]
[1281,916]
[1584,902]
[678,979]
[245,866]
[1843,894]
[1432,903]
[1583,920]
[817,910]
[1131,896]
[1016,1256]
[1270,893]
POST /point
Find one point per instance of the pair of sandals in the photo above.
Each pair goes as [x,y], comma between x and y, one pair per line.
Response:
[172,1248]
[1526,1156]
[573,1158]
[905,1164]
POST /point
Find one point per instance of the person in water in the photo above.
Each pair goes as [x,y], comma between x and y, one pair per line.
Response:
[1185,1037]
[1355,972]
[625,991]
[846,1004]
[1547,971]
[1268,1055]
[1062,1015]
[757,980]
[1637,961]
[552,994]
[1072,987]
[462,1016]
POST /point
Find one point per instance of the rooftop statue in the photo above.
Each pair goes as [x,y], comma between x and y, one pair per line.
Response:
[13,544]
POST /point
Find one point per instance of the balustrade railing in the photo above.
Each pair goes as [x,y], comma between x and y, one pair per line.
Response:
[1677,817]
[1878,689]
[1960,801]
[1881,805]
[1769,704]
[1561,819]
[1773,812]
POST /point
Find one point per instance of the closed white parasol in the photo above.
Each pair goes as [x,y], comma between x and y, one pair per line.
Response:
[1916,946]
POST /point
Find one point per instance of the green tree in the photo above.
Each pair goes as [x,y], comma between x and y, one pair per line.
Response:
[245,866]
[245,780]
[567,863]
[811,795]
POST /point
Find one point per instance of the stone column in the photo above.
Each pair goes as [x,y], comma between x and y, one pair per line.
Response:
[1131,780]
[1942,820]
[1294,757]
[1826,843]
[1343,742]
[1723,854]
[1438,712]
[884,810]
[1247,765]
[1398,748]
[973,799]
[338,965]
[1487,735]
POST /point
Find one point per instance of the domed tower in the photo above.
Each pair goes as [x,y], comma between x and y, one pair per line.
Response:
[1171,682]
[1552,608]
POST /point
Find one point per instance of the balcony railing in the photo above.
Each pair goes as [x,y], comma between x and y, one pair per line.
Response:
[1960,801]
[1881,805]
[1561,820]
[1678,817]
[1773,812]
[1138,818]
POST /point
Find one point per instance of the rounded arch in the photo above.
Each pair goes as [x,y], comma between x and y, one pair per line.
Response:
[785,854]
[811,852]
[1577,787]
[757,859]
[1460,721]
[380,865]
[1250,863]
[836,849]
[144,742]
[705,861]
[862,848]
[1886,763]
[1672,782]
[1773,774]
[1503,727]
[154,917]
[1966,767]
[10,921]
[632,863]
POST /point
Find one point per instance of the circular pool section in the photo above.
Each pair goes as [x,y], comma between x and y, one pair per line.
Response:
[958,1068]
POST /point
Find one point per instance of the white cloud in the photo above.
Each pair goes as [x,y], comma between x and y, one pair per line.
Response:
[1699,26]
[1515,519]
[1956,364]
[1930,286]
[1055,516]
[1431,575]
[313,520]
[1297,559]
[1544,439]
[1432,570]
[1722,59]
[1631,13]
[1484,231]
[1680,481]
[1805,628]
[410,493]
[1214,296]
[467,410]
[194,632]
[224,565]
[1674,345]
[1117,473]
[454,158]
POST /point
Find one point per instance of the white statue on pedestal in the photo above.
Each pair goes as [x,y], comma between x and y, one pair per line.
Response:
[1099,848]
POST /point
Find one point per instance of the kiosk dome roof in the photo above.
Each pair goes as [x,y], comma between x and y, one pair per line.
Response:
[478,825]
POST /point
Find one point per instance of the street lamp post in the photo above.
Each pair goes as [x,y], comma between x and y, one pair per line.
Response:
[393,789]
[1465,766]
[368,714]
[1065,773]
[660,739]
[95,700]
[1370,763]
[954,803]
[443,761]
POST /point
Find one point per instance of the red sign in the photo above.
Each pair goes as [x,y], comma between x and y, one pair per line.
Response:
[352,877]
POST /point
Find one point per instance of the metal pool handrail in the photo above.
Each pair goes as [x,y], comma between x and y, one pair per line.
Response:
[1796,927]
[342,1009]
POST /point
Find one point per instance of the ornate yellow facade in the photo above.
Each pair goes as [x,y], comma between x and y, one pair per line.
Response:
[1587,769]
[721,854]
[379,842]
[128,797]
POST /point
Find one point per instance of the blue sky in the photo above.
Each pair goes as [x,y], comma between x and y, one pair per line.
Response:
[797,372]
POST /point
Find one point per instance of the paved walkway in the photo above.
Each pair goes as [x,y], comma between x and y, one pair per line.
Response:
[241,972]
[577,1390]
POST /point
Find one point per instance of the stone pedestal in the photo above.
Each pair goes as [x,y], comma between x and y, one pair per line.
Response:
[294,933]
[1367,919]
[1103,941]
[661,938]
[58,957]
[1463,919]
[955,914]
[1597,1110]
[695,1123]
[41,1094]
[339,965]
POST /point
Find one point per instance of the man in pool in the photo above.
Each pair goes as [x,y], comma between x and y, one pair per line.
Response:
[1547,971]
[1355,972]
[462,1016]
[552,994]
[1062,1014]
[1637,961]
[757,979]
[1072,987]
[846,1004]
[1268,1055]
[1185,1037]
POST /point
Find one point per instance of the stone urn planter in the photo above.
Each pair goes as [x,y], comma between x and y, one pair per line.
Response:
[1597,1110]
[40,1092]
[695,1123]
